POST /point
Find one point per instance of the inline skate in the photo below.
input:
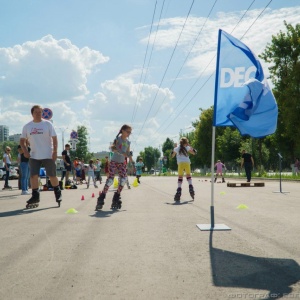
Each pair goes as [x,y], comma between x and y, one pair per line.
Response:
[223,180]
[100,201]
[116,202]
[34,200]
[191,190]
[177,195]
[58,196]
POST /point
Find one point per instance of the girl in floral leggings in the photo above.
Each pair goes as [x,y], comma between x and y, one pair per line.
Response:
[121,149]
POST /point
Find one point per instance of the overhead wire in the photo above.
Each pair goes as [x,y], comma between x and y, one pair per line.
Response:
[165,72]
[192,98]
[140,81]
[150,57]
[187,56]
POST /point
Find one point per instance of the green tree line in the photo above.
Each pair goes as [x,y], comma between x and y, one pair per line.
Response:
[283,54]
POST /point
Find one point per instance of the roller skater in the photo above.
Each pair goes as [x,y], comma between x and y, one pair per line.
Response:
[34,200]
[100,201]
[177,195]
[139,169]
[184,164]
[191,190]
[219,167]
[42,138]
[116,202]
[121,149]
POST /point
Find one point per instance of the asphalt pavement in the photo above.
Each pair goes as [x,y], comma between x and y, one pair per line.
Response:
[152,248]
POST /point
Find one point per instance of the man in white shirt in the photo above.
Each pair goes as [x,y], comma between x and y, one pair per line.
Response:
[43,142]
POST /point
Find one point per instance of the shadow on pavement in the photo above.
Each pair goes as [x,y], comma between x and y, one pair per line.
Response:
[23,211]
[230,269]
[180,202]
[105,213]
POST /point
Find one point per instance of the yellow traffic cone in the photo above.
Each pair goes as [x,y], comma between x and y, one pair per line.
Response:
[135,183]
[115,182]
[242,207]
[71,211]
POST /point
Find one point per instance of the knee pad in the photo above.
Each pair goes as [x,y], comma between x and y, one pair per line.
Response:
[109,181]
[123,181]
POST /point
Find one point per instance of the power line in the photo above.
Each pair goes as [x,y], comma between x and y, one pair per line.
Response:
[139,86]
[142,85]
[174,49]
[192,98]
[186,58]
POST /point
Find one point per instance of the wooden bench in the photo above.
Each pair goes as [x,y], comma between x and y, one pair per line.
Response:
[245,184]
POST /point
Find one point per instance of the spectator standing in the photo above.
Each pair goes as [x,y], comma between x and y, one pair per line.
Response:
[67,162]
[91,173]
[98,170]
[7,164]
[248,162]
[25,170]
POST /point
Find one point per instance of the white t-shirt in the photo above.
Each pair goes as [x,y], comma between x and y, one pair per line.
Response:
[40,138]
[181,157]
[6,158]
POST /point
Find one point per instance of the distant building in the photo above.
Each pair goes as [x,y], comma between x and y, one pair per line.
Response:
[4,133]
[15,138]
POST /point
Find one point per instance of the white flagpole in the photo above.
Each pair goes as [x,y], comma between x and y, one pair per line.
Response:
[213,144]
[212,226]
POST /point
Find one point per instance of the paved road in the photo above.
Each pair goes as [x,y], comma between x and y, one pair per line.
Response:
[152,248]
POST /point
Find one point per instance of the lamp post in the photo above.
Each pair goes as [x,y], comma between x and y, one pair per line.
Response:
[63,137]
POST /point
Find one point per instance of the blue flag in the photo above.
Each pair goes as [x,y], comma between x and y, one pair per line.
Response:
[243,97]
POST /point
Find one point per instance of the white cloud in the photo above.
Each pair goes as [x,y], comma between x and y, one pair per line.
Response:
[47,70]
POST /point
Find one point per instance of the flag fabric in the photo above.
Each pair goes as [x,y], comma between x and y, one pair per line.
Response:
[243,97]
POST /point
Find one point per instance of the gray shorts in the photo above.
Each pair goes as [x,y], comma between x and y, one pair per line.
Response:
[35,165]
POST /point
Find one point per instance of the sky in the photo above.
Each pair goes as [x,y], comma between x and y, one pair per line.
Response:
[101,64]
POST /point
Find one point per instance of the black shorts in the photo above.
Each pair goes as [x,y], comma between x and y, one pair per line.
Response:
[35,165]
[67,168]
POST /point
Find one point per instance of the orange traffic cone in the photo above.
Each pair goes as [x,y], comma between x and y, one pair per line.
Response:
[93,195]
[82,197]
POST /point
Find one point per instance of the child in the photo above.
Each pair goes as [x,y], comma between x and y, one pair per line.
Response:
[78,173]
[139,165]
[121,149]
[184,164]
[91,173]
[219,166]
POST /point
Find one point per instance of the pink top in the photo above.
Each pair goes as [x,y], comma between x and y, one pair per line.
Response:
[219,166]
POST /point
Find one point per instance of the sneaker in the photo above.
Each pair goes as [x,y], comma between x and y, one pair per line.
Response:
[25,193]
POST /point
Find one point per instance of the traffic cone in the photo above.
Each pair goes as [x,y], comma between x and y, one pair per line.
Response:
[115,182]
[135,183]
[93,195]
[71,211]
[82,197]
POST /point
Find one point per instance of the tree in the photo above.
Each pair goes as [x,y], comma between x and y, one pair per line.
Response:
[82,145]
[150,157]
[283,55]
[228,145]
[167,149]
